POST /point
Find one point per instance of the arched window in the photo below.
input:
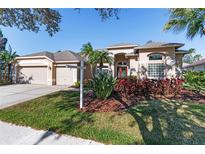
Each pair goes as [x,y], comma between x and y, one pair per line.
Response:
[155,56]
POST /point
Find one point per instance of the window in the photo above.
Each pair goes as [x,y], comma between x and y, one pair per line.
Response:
[155,57]
[156,70]
[122,63]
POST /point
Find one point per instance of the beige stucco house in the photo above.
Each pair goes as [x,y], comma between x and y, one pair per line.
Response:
[47,68]
[153,60]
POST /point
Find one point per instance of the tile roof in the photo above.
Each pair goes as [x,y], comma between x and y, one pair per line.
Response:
[122,44]
[151,44]
[58,56]
[199,62]
[43,53]
[66,56]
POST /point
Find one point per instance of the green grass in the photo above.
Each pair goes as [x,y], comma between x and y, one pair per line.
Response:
[150,122]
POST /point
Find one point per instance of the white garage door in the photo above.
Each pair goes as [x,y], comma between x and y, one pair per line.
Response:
[33,75]
[65,76]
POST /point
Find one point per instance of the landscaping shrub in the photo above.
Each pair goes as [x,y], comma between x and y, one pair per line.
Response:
[77,84]
[135,87]
[195,81]
[102,85]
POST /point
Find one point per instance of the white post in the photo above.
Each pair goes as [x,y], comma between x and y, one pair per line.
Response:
[81,83]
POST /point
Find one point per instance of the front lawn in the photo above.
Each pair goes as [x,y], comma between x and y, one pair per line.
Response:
[148,122]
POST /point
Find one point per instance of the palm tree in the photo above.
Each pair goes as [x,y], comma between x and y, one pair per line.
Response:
[95,57]
[101,57]
[7,58]
[192,20]
[86,51]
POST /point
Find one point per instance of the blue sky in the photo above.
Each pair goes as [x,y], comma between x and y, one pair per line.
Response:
[134,26]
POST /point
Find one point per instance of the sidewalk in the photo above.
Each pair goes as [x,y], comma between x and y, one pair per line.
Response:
[12,134]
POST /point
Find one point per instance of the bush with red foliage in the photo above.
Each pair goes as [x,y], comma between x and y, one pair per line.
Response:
[129,87]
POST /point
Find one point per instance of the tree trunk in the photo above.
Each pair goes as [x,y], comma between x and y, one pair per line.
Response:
[5,73]
[92,70]
[9,71]
[101,66]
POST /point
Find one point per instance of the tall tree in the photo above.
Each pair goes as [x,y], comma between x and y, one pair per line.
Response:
[192,56]
[3,41]
[191,20]
[33,18]
[106,13]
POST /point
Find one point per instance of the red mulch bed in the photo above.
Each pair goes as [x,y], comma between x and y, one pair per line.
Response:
[116,103]
[187,95]
[108,105]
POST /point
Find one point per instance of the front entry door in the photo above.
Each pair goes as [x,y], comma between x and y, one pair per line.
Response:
[121,72]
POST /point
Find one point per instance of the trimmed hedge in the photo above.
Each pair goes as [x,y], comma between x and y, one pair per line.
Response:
[135,87]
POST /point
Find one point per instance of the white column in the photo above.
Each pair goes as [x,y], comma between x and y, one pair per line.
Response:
[81,83]
[112,66]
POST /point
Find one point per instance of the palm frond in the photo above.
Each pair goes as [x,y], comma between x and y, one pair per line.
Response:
[191,20]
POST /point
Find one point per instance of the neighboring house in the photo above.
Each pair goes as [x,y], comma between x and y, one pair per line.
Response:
[47,68]
[196,66]
[154,60]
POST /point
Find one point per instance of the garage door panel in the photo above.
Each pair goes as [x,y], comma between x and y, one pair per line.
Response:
[64,76]
[33,75]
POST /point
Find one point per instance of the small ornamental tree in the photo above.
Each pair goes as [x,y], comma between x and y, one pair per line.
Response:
[6,58]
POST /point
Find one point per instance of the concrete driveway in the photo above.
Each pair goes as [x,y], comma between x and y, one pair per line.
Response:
[18,93]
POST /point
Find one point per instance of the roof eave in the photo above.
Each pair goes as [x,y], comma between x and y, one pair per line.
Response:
[33,57]
[123,46]
[192,65]
[71,61]
[182,51]
[158,47]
